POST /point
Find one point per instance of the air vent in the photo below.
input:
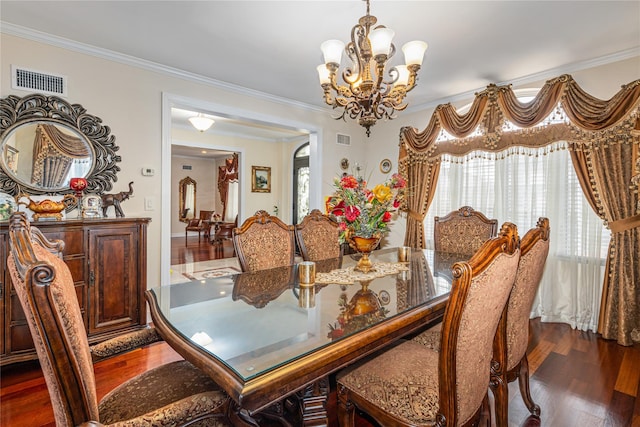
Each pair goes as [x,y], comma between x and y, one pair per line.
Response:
[343,139]
[186,167]
[31,80]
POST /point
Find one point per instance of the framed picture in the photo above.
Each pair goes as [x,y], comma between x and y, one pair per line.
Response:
[385,166]
[260,179]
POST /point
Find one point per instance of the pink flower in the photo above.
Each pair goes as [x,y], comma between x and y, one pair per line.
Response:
[352,213]
[342,226]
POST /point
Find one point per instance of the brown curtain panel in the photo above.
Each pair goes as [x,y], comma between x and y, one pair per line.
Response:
[603,135]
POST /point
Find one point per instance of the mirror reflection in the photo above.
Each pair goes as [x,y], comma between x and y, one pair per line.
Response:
[46,155]
[187,191]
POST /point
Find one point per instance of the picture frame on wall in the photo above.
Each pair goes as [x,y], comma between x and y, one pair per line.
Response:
[385,166]
[260,179]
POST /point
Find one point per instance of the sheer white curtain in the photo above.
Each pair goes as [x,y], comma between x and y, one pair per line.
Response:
[231,210]
[520,186]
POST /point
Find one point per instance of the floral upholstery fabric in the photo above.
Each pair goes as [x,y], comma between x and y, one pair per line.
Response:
[402,381]
[524,291]
[172,394]
[318,237]
[265,246]
[462,231]
[430,338]
[65,301]
[123,343]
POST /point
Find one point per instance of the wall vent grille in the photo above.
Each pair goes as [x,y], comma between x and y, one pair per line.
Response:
[31,80]
[342,139]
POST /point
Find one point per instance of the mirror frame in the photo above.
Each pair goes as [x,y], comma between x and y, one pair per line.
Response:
[16,111]
[182,185]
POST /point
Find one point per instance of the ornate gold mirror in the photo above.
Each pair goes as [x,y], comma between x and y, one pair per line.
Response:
[45,141]
[187,203]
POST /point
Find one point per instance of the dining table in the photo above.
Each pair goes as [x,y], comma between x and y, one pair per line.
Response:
[273,343]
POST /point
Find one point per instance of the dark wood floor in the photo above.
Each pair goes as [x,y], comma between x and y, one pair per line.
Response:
[578,379]
[188,250]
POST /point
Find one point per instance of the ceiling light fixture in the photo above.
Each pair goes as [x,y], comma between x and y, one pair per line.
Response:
[201,122]
[368,97]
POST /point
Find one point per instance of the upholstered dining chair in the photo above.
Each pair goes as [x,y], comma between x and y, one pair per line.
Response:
[534,248]
[173,394]
[412,385]
[317,237]
[196,224]
[264,241]
[463,231]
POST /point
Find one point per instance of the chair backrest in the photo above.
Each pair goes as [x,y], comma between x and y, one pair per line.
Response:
[534,248]
[45,288]
[264,241]
[206,215]
[479,295]
[463,231]
[317,237]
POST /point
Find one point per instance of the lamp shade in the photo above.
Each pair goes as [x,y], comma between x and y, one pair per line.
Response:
[403,75]
[380,40]
[323,74]
[332,51]
[414,52]
[201,122]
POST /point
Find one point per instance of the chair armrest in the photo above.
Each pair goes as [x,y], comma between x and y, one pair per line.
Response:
[124,343]
[91,424]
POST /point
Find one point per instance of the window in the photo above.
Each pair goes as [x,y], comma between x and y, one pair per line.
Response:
[519,186]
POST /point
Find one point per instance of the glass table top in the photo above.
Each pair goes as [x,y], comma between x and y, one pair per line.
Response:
[255,322]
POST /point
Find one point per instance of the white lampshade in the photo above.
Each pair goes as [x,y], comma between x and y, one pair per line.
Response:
[332,51]
[403,76]
[323,74]
[380,40]
[201,122]
[414,52]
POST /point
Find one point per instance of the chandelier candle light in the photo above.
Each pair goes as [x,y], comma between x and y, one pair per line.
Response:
[366,95]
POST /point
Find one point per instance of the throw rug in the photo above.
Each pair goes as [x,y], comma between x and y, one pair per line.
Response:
[211,273]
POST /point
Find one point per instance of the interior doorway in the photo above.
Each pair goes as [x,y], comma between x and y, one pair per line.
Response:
[300,183]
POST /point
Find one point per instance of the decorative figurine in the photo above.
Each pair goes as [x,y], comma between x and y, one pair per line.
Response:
[115,200]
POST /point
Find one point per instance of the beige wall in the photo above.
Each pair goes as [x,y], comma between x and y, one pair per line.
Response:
[129,100]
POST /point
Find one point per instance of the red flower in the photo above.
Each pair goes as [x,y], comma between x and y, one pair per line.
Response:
[349,181]
[338,209]
[386,217]
[352,213]
[342,226]
[396,204]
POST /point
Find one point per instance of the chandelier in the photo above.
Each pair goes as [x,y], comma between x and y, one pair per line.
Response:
[366,95]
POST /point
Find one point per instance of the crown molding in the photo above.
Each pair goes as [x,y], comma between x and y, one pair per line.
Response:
[41,37]
[533,78]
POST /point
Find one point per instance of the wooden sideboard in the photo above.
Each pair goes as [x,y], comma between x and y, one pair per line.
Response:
[108,262]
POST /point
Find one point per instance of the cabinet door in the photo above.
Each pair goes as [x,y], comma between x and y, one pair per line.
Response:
[113,278]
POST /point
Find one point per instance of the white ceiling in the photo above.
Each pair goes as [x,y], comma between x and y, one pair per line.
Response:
[273,46]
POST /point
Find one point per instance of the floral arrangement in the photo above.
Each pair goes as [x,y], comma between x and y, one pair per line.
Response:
[365,212]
